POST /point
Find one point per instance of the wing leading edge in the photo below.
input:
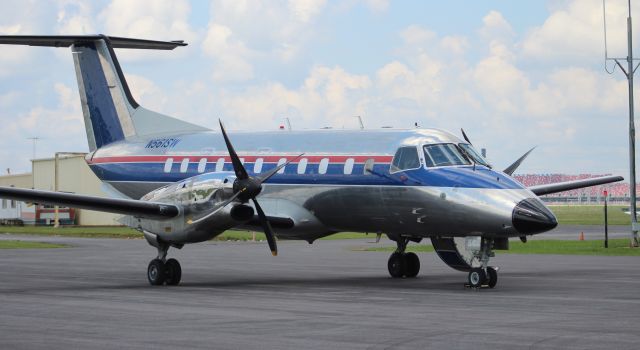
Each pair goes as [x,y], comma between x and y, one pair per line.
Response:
[150,210]
[572,185]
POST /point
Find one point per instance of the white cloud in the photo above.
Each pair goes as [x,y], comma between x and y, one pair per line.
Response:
[231,56]
[496,28]
[573,32]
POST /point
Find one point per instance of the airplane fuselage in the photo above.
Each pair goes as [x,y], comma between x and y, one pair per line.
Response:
[329,188]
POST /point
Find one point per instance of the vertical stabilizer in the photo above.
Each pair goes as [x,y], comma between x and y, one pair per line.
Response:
[110,112]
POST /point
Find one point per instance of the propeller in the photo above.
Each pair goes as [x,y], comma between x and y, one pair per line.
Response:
[512,168]
[247,188]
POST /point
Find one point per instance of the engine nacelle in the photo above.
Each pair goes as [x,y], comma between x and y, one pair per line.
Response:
[242,213]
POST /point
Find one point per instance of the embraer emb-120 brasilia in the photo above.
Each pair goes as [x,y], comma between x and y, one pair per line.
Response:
[180,183]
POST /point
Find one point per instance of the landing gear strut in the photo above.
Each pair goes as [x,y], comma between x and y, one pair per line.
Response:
[162,271]
[402,264]
[483,275]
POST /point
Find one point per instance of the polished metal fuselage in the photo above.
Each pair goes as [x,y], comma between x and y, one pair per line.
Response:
[470,200]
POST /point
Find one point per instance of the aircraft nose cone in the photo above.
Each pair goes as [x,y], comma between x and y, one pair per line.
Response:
[530,216]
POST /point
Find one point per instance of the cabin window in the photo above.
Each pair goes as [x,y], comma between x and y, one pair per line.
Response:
[406,158]
[324,164]
[444,154]
[202,164]
[184,165]
[302,165]
[257,167]
[4,204]
[280,162]
[348,166]
[220,165]
[368,166]
[167,165]
[13,204]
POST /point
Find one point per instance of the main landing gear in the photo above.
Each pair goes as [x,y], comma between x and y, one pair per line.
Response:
[162,271]
[402,264]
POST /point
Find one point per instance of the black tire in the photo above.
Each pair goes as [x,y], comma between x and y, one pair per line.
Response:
[411,265]
[156,272]
[396,265]
[173,272]
[492,277]
[477,277]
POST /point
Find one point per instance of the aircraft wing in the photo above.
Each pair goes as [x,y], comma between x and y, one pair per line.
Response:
[572,185]
[151,210]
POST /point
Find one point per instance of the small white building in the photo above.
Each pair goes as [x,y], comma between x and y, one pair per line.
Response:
[74,176]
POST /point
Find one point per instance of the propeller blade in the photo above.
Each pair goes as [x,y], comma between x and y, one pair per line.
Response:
[238,168]
[511,168]
[266,175]
[267,228]
[224,204]
[465,136]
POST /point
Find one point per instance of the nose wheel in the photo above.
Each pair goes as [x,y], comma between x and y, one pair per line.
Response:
[479,277]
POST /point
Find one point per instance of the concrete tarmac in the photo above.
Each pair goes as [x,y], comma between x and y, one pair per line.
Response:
[322,296]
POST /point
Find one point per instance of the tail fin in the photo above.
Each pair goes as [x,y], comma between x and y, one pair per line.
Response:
[110,111]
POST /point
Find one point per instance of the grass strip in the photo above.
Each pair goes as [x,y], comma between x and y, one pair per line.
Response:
[11,244]
[129,233]
[590,214]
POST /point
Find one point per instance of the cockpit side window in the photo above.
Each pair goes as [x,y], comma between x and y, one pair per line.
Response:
[471,152]
[444,154]
[406,158]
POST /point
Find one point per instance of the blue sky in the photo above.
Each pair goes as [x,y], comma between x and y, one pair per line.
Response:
[514,74]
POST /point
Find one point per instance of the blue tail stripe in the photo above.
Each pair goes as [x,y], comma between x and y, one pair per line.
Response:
[102,111]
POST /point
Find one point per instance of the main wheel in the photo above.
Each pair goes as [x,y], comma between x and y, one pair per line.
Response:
[173,272]
[477,277]
[396,265]
[411,265]
[156,272]
[492,276]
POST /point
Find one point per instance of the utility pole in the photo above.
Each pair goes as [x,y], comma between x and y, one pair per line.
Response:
[56,172]
[629,72]
[34,139]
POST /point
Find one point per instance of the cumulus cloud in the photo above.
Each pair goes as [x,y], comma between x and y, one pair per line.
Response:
[573,32]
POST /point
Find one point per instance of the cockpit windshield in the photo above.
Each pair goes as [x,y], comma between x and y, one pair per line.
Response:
[471,152]
[444,154]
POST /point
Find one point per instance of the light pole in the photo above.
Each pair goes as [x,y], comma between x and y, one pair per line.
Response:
[56,213]
[629,72]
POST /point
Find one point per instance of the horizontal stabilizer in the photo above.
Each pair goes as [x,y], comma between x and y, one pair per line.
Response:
[572,185]
[68,40]
[138,208]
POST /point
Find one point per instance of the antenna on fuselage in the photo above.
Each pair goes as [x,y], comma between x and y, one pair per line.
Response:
[360,120]
[288,123]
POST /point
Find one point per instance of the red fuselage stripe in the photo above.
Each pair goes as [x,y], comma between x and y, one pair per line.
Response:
[248,159]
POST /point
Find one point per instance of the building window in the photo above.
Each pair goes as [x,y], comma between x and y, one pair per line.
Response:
[220,165]
[324,164]
[167,165]
[280,162]
[348,166]
[257,166]
[202,165]
[302,165]
[368,166]
[4,204]
[13,204]
[184,165]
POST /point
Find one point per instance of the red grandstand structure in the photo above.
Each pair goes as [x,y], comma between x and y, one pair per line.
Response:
[617,192]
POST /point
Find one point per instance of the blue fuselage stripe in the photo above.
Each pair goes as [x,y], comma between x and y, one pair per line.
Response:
[463,177]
